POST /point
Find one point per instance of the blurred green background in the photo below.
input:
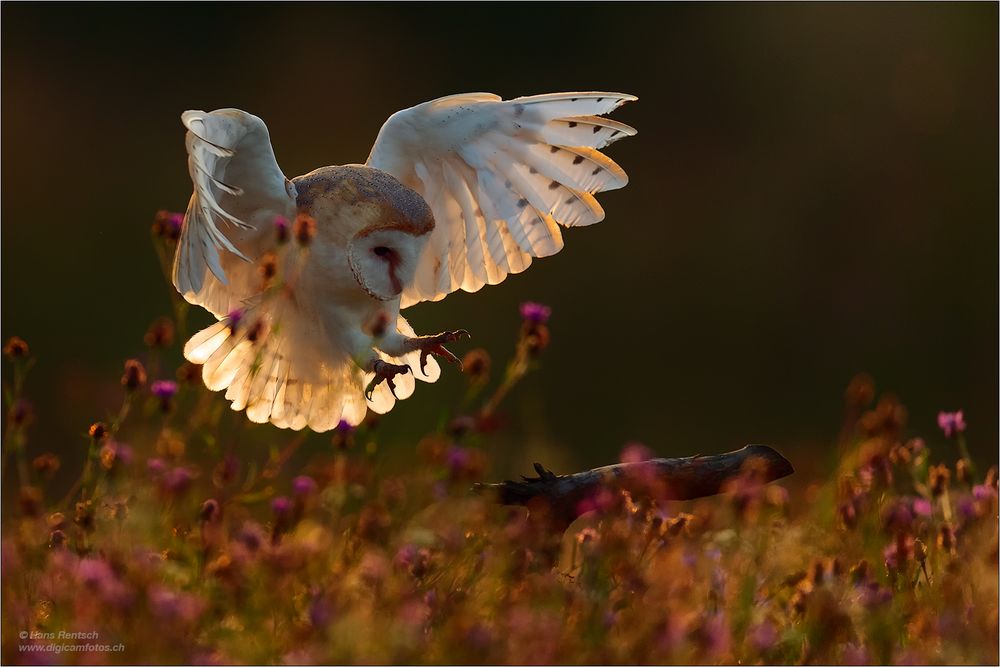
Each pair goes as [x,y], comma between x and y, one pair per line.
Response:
[813,194]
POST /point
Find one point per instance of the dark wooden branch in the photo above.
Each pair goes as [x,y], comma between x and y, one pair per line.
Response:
[565,497]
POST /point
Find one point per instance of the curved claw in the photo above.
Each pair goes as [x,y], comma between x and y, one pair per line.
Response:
[435,345]
[386,372]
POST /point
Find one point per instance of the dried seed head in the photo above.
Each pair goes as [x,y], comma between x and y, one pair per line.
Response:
[46,465]
[160,333]
[860,572]
[167,225]
[860,392]
[476,365]
[57,539]
[84,516]
[536,339]
[962,472]
[305,229]
[31,500]
[134,376]
[21,413]
[268,268]
[939,478]
[97,431]
[109,453]
[188,373]
[209,510]
[15,348]
[256,331]
[946,538]
[848,515]
[281,228]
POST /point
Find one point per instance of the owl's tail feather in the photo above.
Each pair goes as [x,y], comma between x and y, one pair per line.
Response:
[250,356]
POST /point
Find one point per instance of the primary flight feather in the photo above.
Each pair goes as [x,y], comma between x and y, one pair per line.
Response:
[457,193]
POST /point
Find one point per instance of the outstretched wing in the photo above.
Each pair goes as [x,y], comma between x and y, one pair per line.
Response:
[238,191]
[500,176]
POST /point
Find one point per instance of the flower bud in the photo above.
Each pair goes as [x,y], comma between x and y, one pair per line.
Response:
[160,333]
[15,348]
[305,229]
[134,376]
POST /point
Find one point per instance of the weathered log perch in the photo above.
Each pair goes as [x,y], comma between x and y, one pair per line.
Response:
[565,497]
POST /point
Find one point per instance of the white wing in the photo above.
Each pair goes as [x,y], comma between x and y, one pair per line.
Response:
[499,176]
[238,191]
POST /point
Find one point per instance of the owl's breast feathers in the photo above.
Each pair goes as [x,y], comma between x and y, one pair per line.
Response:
[347,199]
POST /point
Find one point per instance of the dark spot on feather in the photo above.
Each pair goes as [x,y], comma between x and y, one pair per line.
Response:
[507,184]
[518,109]
[572,123]
[615,132]
[578,159]
[553,185]
[554,149]
[595,172]
[532,170]
[570,200]
[597,128]
[522,202]
[600,99]
[573,99]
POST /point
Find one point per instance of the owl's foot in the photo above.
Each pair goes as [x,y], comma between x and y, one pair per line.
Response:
[429,345]
[384,371]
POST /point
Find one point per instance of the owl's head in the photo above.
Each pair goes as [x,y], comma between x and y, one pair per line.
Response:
[384,259]
[383,224]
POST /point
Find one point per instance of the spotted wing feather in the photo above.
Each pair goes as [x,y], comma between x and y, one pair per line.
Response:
[502,177]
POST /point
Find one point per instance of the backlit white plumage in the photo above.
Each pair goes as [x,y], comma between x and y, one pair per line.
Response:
[457,193]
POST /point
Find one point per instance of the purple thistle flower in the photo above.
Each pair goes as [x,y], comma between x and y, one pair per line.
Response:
[951,423]
[763,636]
[304,485]
[922,507]
[457,458]
[536,313]
[177,480]
[164,389]
[235,316]
[155,466]
[95,573]
[281,227]
[281,506]
[344,426]
[171,605]
[176,221]
[983,492]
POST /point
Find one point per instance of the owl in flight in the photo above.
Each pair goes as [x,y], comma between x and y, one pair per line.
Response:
[457,193]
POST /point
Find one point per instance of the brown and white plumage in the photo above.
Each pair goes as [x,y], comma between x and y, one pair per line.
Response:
[457,193]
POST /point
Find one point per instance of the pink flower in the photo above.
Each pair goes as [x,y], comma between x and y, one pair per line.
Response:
[536,313]
[951,423]
[922,507]
[164,389]
[303,485]
[634,452]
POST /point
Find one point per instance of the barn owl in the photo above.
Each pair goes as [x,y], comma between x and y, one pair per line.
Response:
[457,193]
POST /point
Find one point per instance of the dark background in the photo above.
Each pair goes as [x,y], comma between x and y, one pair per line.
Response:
[813,194]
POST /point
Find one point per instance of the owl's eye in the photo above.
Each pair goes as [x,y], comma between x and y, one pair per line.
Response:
[384,252]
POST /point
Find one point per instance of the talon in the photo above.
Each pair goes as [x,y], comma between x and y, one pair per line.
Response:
[385,372]
[434,345]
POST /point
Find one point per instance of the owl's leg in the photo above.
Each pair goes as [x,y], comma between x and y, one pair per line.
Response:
[384,372]
[399,345]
